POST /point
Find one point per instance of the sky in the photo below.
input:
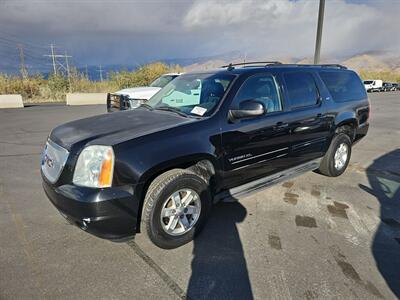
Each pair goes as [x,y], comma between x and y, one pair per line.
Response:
[135,32]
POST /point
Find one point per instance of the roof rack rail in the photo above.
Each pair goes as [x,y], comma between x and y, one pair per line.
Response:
[266,63]
[320,65]
[262,63]
[334,65]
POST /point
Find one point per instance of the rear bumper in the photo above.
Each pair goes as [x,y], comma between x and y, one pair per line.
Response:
[107,213]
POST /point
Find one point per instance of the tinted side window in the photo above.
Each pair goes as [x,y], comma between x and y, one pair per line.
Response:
[262,88]
[301,88]
[343,85]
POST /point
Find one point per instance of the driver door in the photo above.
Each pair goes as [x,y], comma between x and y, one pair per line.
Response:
[257,146]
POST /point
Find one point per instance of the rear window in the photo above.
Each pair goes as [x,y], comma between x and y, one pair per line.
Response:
[343,86]
[301,88]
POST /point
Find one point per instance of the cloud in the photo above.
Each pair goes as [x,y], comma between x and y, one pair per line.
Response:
[124,31]
[288,28]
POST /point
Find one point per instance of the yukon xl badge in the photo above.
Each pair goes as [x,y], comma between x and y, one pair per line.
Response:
[240,157]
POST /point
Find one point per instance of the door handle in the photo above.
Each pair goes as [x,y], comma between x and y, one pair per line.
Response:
[281,125]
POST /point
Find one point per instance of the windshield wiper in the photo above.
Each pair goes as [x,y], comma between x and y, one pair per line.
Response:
[173,109]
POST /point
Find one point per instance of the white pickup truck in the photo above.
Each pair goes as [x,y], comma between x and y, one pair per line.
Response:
[132,98]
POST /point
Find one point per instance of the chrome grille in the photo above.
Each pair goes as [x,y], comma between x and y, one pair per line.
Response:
[53,160]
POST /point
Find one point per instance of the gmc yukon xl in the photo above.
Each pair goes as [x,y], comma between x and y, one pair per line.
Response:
[203,137]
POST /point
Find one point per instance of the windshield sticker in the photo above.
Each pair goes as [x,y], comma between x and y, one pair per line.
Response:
[197,110]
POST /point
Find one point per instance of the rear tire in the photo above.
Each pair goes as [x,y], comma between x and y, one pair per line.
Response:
[169,222]
[337,157]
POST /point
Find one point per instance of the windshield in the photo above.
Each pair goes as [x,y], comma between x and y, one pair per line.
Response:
[368,82]
[162,81]
[192,94]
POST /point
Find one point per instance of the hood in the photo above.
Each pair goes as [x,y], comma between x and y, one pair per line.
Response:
[112,128]
[145,92]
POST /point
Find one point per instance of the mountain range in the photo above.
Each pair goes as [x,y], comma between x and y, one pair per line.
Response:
[369,61]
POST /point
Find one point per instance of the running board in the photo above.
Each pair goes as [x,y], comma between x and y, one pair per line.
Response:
[265,182]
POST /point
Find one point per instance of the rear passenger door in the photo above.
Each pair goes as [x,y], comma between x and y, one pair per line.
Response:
[308,121]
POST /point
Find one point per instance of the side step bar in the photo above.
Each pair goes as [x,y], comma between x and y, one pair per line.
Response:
[265,182]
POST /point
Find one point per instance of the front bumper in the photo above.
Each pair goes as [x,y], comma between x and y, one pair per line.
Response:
[109,213]
[117,102]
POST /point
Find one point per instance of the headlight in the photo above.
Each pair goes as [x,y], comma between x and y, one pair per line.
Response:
[134,103]
[95,167]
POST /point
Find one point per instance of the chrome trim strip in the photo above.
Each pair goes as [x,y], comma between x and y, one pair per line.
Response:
[264,160]
[308,143]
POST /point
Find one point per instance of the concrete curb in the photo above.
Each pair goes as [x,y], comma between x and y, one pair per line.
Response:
[11,101]
[86,98]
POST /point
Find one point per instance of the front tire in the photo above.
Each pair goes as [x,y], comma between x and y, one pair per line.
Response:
[175,208]
[337,157]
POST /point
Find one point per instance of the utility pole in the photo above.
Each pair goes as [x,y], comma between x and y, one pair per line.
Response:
[53,58]
[56,62]
[100,70]
[67,65]
[319,32]
[87,72]
[68,71]
[24,72]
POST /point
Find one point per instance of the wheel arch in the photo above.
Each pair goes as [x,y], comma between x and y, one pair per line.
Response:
[204,165]
[346,123]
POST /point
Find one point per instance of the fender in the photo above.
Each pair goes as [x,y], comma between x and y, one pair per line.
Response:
[182,162]
[345,117]
[141,160]
[146,178]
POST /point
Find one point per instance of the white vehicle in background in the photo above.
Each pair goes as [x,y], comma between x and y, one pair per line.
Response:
[132,98]
[373,85]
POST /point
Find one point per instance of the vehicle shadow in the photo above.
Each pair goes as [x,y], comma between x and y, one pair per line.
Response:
[384,179]
[219,269]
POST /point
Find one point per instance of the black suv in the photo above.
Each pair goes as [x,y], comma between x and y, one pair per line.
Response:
[203,137]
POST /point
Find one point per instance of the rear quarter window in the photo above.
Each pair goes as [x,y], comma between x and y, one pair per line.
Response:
[343,85]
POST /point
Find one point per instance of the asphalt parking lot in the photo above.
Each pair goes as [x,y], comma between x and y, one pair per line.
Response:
[309,238]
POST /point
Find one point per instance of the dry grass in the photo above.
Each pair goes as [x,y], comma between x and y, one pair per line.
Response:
[36,89]
[389,76]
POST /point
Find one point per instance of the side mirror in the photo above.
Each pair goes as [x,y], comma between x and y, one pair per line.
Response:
[248,109]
